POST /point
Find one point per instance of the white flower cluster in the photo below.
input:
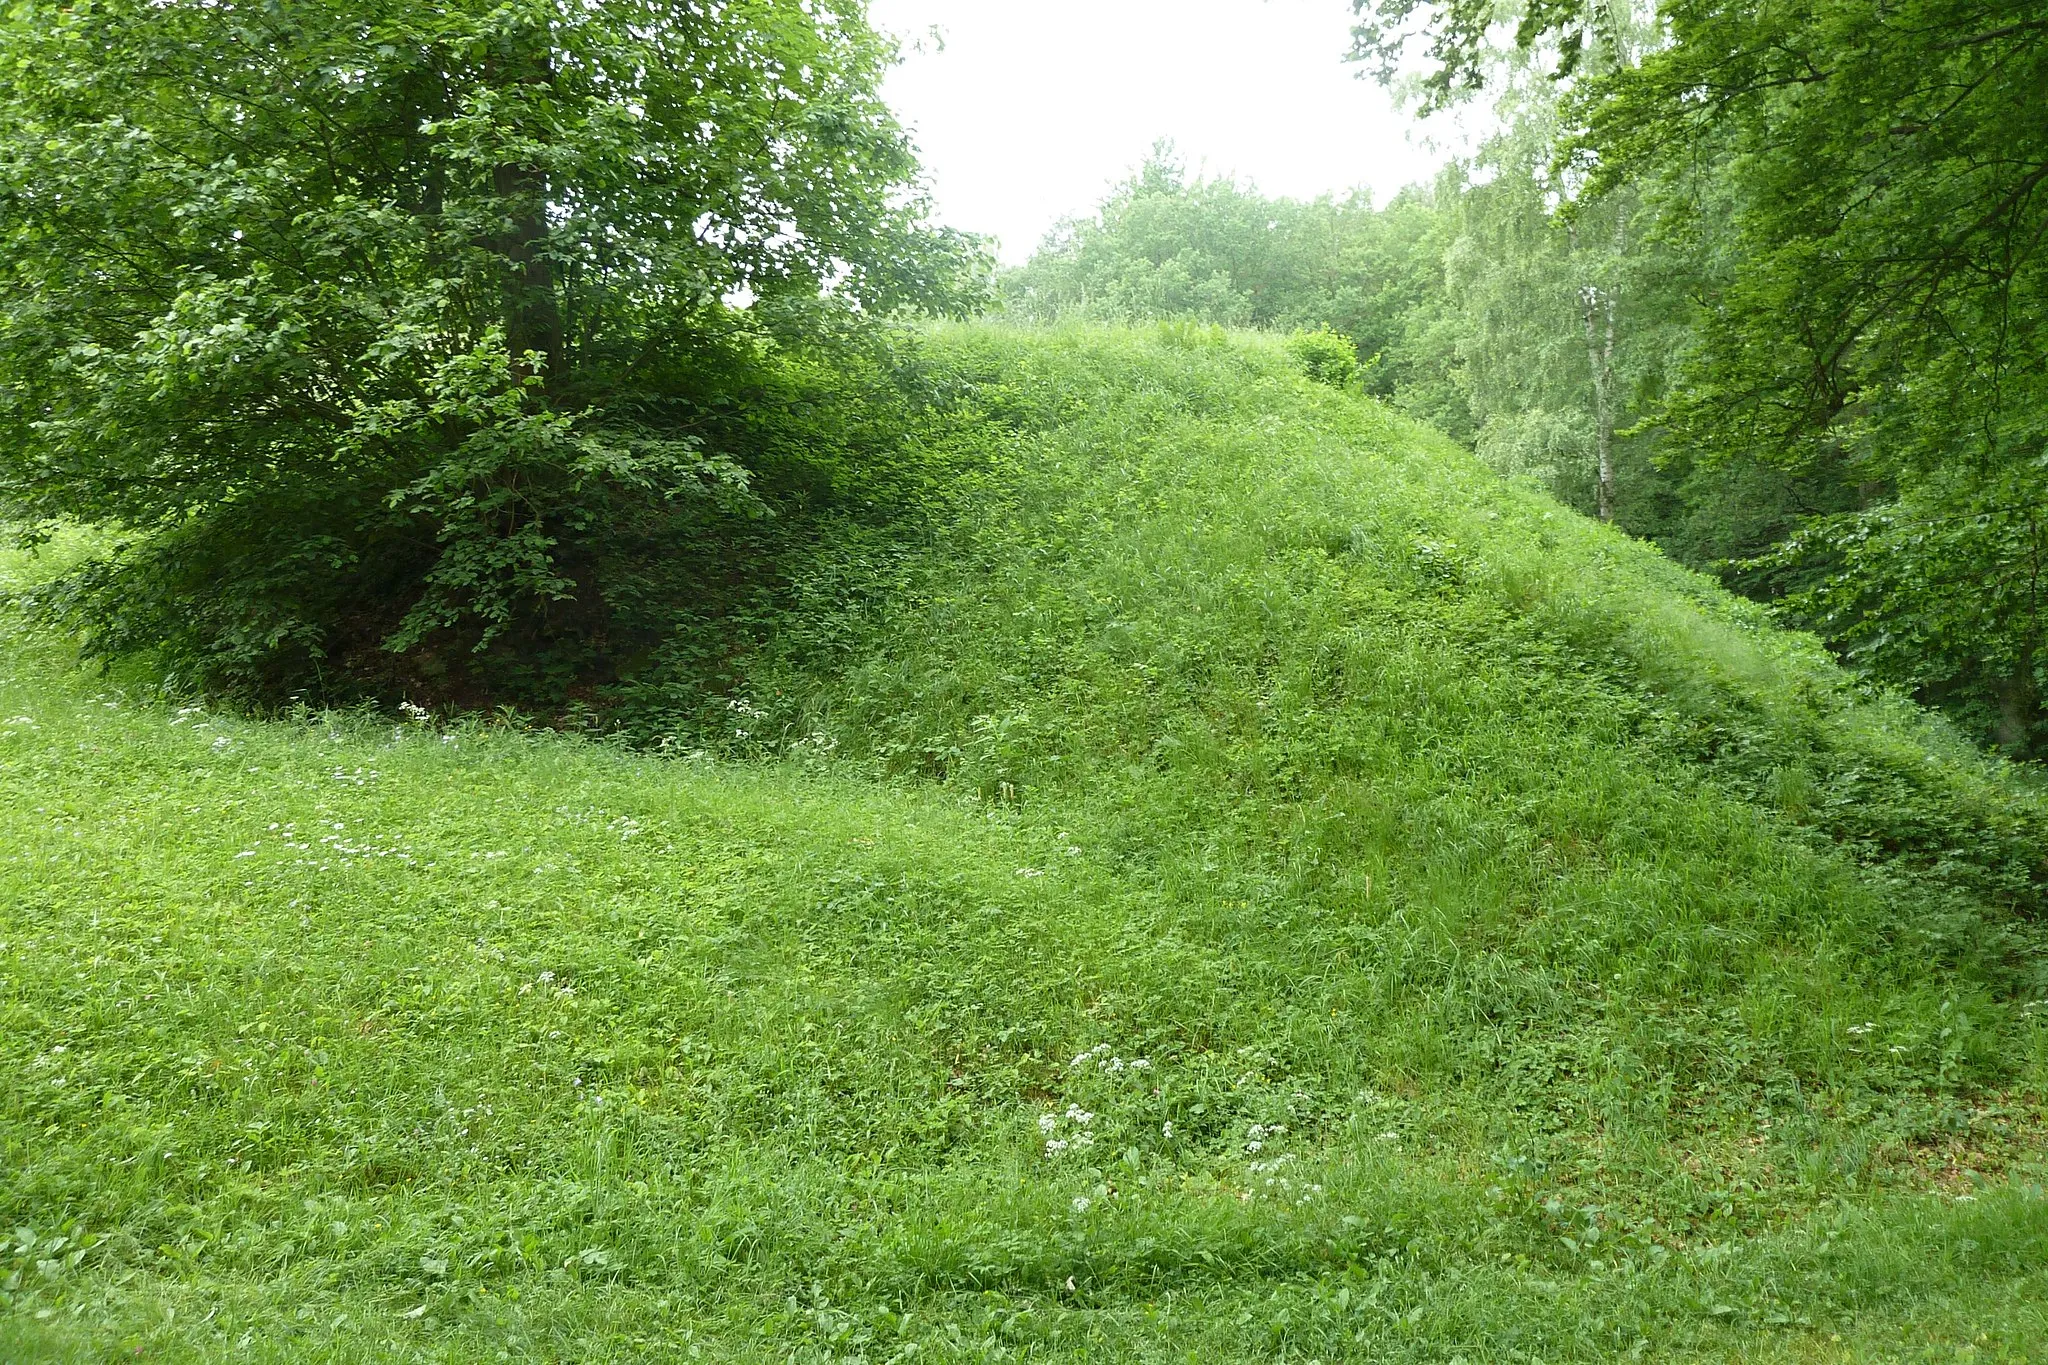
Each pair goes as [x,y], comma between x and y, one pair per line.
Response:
[816,745]
[336,845]
[418,723]
[546,982]
[745,711]
[1101,1058]
[1074,1123]
[1259,1134]
[1069,1131]
[1274,1185]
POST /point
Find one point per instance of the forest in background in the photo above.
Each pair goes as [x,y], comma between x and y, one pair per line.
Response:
[1761,286]
[513,354]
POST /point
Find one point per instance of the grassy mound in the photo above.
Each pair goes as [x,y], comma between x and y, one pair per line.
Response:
[1228,881]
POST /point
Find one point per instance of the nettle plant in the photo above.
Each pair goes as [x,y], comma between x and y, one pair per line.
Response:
[385,330]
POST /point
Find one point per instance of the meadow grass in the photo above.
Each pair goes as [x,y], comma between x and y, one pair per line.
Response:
[1235,882]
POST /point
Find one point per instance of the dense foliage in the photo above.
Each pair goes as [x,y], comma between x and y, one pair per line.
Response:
[1764,287]
[402,339]
[1862,189]
[1855,196]
[1168,246]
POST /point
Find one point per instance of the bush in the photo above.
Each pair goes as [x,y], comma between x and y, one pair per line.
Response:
[1325,356]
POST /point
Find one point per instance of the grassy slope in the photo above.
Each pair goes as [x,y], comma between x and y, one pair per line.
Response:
[1531,956]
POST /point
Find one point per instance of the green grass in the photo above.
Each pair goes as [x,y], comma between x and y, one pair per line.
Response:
[1530,954]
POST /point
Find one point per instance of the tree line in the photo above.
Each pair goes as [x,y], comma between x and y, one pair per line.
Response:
[487,349]
[1761,284]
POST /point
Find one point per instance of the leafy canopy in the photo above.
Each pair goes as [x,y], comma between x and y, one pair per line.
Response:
[1859,194]
[378,318]
[1865,189]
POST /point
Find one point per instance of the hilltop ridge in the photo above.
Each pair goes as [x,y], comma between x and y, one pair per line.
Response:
[1178,501]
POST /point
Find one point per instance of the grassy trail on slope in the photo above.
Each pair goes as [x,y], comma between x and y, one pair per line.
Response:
[1252,888]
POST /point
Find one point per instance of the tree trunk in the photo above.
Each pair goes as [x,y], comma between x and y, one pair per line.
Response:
[533,315]
[2019,710]
[532,310]
[2019,698]
[1602,355]
[1597,306]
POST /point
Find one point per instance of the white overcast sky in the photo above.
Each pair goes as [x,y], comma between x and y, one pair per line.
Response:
[1031,111]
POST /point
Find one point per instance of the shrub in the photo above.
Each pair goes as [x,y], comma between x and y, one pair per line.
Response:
[1325,356]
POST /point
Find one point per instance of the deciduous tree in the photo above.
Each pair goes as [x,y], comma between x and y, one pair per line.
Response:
[371,321]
